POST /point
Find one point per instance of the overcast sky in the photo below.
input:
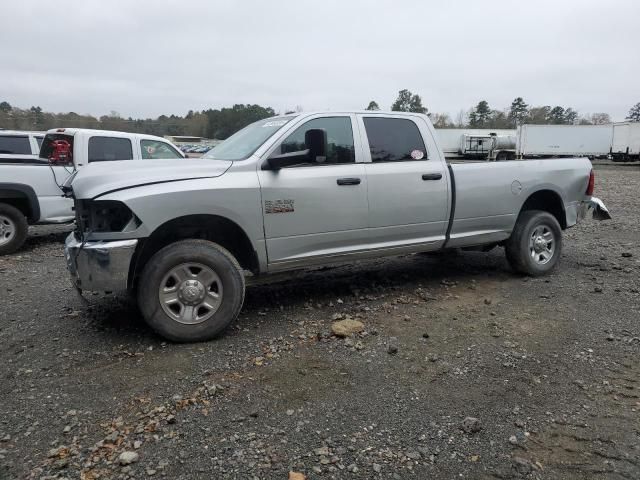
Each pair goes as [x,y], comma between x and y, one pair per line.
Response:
[145,58]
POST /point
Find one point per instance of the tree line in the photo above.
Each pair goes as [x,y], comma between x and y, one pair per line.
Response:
[221,123]
[483,116]
[212,123]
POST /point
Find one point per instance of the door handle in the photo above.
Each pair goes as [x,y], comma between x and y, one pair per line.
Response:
[432,176]
[348,181]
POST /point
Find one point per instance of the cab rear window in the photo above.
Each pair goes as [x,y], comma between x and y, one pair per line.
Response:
[47,146]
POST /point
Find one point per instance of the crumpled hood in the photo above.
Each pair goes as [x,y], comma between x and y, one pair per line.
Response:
[101,177]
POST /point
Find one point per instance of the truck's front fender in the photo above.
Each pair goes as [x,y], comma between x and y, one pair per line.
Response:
[236,198]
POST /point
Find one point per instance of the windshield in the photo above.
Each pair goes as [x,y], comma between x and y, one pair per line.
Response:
[244,143]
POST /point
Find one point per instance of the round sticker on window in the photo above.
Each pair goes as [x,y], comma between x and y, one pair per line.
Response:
[417,154]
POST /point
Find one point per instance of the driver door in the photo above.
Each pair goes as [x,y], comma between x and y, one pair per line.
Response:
[317,209]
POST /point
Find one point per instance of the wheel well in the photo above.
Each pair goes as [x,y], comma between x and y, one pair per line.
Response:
[548,201]
[205,227]
[18,201]
[22,197]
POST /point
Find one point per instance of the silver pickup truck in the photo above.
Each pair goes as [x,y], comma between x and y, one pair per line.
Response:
[300,190]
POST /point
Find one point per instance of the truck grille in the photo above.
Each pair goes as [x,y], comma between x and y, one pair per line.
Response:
[81,219]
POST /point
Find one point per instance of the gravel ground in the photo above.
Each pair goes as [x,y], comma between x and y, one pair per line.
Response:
[461,369]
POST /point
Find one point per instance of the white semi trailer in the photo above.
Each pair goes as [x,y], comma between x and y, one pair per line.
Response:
[564,140]
[625,145]
[544,141]
[620,141]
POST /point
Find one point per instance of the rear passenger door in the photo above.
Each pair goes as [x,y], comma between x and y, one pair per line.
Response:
[407,182]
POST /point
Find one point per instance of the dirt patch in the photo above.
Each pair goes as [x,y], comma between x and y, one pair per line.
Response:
[548,367]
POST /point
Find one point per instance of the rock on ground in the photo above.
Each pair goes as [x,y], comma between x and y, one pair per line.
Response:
[471,425]
[127,458]
[345,328]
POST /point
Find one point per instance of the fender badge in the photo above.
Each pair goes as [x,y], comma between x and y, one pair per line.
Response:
[279,206]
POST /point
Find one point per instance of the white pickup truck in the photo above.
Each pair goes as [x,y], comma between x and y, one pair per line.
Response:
[30,183]
[300,190]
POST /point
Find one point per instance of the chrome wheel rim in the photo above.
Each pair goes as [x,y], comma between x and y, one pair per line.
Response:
[542,244]
[190,293]
[7,230]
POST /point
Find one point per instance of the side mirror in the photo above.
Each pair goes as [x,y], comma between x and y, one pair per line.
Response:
[316,141]
[278,161]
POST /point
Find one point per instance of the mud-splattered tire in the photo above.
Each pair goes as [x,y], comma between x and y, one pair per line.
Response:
[535,245]
[191,291]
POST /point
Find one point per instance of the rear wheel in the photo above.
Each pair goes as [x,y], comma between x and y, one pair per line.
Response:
[535,244]
[13,229]
[191,291]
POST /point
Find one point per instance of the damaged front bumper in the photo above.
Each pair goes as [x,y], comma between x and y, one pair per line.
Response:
[596,207]
[99,265]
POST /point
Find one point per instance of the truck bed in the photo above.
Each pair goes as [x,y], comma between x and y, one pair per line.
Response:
[488,195]
[41,181]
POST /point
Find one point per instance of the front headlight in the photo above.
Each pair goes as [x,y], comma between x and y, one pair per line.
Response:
[101,216]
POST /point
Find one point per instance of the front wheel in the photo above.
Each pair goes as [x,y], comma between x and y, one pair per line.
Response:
[191,291]
[535,244]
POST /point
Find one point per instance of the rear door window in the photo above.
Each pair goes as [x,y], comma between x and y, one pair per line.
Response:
[394,140]
[15,145]
[106,149]
[152,149]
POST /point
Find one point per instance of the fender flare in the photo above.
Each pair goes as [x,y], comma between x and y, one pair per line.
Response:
[545,189]
[20,190]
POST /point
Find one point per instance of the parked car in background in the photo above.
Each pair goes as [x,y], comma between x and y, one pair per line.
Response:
[301,190]
[31,185]
[197,149]
[85,146]
[29,188]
